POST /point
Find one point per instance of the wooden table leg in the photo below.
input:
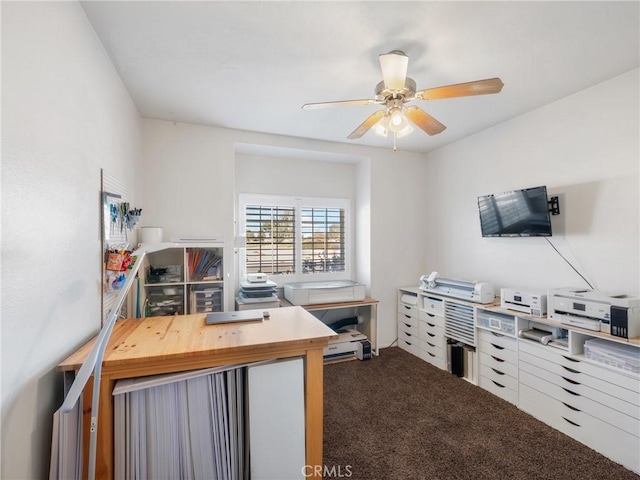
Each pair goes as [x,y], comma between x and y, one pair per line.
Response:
[314,412]
[105,445]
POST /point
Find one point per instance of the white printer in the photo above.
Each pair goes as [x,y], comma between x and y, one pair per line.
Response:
[531,303]
[314,293]
[345,346]
[618,315]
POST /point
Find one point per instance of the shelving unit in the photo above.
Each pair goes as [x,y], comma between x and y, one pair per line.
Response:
[183,280]
[366,309]
[595,402]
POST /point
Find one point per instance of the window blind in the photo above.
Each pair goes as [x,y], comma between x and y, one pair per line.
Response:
[323,239]
[270,233]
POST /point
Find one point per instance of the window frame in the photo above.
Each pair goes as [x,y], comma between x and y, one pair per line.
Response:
[298,203]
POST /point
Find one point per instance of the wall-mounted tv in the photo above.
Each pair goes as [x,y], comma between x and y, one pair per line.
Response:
[518,213]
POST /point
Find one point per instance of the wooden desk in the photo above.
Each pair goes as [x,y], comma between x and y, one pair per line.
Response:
[156,345]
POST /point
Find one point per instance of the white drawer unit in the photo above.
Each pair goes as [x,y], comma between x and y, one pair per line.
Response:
[498,364]
[432,332]
[433,344]
[433,355]
[407,319]
[593,404]
[408,323]
[498,341]
[620,446]
[431,318]
[584,384]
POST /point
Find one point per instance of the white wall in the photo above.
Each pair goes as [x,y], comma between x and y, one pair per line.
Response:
[188,185]
[294,177]
[585,148]
[65,116]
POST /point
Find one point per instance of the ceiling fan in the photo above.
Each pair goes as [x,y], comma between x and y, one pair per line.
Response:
[396,90]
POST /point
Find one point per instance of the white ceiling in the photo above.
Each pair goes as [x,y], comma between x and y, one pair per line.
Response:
[252,65]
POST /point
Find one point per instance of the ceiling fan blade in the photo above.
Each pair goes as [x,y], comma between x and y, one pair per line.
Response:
[394,69]
[366,125]
[423,120]
[342,103]
[479,87]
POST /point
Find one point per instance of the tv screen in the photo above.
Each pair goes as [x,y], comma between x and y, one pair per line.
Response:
[519,213]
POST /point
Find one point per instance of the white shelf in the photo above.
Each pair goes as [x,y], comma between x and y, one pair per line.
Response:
[194,261]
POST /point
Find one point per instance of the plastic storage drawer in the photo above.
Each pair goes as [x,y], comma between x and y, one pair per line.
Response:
[497,321]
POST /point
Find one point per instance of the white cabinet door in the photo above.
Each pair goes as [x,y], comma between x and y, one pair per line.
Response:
[276,420]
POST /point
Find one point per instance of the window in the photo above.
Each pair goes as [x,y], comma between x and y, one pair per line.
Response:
[270,232]
[297,237]
[322,239]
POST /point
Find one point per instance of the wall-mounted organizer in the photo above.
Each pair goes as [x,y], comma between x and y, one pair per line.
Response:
[182,280]
[118,219]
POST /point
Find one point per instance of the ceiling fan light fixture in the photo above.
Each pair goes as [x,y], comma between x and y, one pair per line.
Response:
[382,126]
[405,131]
[397,120]
[394,69]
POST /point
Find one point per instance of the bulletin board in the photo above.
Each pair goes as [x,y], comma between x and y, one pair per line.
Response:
[113,233]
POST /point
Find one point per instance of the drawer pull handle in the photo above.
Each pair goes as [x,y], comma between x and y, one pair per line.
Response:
[431,324]
[573,382]
[408,343]
[572,408]
[431,334]
[498,384]
[408,334]
[407,307]
[431,344]
[569,421]
[497,371]
[497,346]
[430,314]
[497,334]
[497,359]
[571,359]
[572,393]
[408,316]
[570,369]
[431,354]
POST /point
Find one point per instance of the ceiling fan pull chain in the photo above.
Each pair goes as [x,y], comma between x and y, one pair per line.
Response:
[395,134]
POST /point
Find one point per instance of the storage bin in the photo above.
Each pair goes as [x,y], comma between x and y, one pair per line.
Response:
[168,274]
[205,300]
[625,357]
[163,301]
[496,321]
[435,306]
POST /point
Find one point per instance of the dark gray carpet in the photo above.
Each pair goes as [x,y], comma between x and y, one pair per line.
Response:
[397,417]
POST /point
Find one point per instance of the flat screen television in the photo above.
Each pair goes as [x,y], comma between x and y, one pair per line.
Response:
[518,213]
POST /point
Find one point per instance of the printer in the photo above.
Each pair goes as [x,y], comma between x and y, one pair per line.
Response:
[314,293]
[618,315]
[476,292]
[531,303]
[347,344]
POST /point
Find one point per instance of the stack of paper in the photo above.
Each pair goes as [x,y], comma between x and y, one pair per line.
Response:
[66,440]
[187,425]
